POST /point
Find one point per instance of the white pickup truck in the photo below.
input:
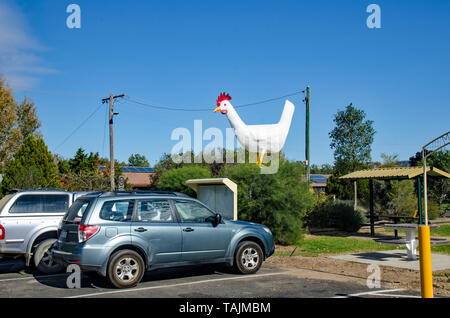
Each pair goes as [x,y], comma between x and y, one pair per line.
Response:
[29,223]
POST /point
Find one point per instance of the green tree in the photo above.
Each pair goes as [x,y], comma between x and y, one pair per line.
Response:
[166,163]
[84,162]
[17,122]
[175,179]
[389,160]
[351,140]
[278,201]
[323,169]
[438,188]
[401,198]
[32,166]
[137,160]
[82,173]
[10,135]
[27,119]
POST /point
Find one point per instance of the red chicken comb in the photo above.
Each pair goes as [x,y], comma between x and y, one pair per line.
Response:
[223,97]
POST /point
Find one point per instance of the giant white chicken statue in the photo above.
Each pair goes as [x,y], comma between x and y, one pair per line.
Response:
[259,138]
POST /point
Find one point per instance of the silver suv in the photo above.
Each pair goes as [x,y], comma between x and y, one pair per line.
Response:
[29,222]
[122,234]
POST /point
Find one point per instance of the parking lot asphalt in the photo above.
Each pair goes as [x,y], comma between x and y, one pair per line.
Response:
[17,281]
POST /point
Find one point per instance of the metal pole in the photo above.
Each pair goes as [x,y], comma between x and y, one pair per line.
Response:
[426,271]
[419,200]
[371,208]
[111,141]
[425,201]
[308,164]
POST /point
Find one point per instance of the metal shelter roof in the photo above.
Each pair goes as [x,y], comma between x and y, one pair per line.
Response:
[395,173]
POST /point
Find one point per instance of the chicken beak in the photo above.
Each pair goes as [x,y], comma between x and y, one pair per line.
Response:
[217,109]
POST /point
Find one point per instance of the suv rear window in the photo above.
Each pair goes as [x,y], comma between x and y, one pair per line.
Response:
[77,210]
[117,210]
[41,203]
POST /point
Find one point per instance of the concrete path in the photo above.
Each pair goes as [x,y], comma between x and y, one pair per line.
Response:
[396,258]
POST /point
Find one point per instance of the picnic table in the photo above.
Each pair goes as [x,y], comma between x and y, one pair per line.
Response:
[396,219]
[411,242]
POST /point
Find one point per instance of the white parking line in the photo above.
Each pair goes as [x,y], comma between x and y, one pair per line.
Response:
[182,284]
[400,296]
[379,293]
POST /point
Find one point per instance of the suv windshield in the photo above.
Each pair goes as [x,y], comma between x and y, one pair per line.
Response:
[76,211]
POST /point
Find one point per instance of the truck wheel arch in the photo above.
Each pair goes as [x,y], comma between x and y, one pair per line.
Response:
[38,238]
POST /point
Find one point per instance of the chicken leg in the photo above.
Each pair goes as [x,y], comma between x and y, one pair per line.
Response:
[259,159]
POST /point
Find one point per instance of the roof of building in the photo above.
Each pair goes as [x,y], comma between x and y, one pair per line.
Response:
[138,169]
[133,169]
[194,183]
[395,173]
[319,178]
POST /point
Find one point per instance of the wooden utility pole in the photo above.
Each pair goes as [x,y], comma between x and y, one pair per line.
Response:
[308,163]
[111,99]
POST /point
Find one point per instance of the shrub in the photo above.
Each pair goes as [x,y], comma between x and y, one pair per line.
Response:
[335,214]
[175,179]
[278,201]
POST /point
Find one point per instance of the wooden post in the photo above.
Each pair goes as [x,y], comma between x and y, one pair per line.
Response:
[111,141]
[111,99]
[371,198]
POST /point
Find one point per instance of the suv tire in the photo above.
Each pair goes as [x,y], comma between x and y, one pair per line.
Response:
[248,257]
[125,269]
[43,259]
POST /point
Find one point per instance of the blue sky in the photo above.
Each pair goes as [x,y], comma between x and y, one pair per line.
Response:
[184,53]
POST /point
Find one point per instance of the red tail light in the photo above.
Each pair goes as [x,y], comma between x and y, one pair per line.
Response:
[85,232]
[2,232]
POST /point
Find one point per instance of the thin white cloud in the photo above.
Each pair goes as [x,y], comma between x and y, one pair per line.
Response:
[20,62]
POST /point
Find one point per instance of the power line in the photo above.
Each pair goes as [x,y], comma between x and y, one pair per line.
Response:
[209,108]
[79,126]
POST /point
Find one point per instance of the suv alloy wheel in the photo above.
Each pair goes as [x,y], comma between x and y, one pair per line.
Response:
[248,258]
[125,269]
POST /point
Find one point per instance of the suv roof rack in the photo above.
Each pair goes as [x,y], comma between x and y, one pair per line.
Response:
[141,192]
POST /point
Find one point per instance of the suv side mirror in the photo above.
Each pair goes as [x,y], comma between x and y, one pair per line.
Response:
[218,219]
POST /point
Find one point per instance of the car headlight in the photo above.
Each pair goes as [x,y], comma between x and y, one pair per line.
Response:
[267,230]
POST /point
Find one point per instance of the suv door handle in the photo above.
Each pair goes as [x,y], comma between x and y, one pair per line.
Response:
[140,229]
[188,229]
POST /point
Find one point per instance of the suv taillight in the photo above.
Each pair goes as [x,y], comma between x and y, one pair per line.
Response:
[2,232]
[85,232]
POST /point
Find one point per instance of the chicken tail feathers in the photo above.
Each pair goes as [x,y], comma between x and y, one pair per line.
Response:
[286,116]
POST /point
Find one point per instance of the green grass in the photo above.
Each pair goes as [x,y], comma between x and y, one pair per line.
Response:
[329,245]
[443,249]
[326,245]
[443,230]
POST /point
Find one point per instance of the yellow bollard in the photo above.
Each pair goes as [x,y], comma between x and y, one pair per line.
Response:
[426,276]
